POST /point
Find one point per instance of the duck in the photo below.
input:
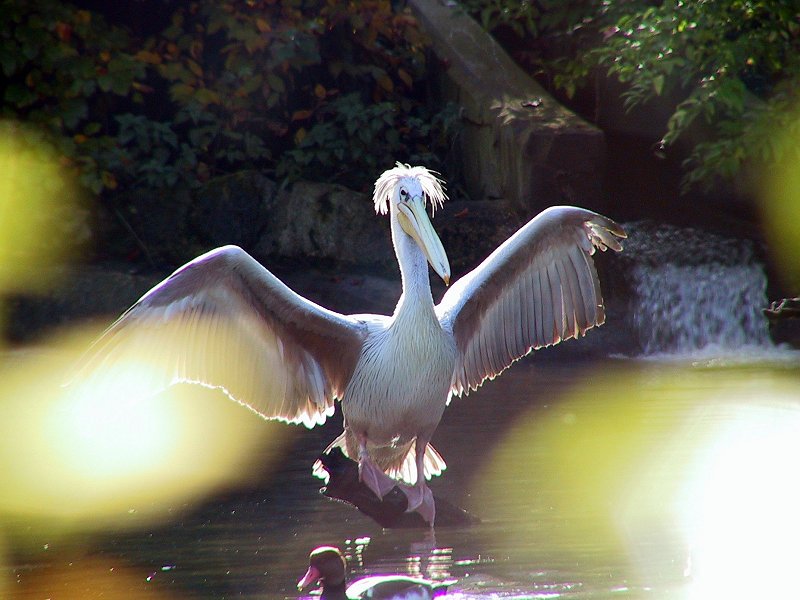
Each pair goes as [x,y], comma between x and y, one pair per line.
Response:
[327,566]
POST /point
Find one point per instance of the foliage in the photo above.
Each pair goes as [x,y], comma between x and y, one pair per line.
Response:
[64,69]
[348,132]
[225,85]
[733,65]
[737,66]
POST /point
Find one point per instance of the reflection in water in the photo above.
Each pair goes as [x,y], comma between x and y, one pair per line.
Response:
[628,479]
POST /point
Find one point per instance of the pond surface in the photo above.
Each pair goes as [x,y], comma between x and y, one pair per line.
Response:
[620,479]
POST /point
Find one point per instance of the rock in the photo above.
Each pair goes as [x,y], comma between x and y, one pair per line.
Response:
[233,209]
[470,231]
[326,221]
[518,143]
[390,511]
[82,292]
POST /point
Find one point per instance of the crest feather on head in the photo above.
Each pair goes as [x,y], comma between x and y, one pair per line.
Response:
[432,186]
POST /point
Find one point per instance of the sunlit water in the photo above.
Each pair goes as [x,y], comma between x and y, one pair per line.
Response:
[621,479]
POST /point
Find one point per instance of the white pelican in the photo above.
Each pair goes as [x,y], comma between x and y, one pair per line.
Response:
[242,330]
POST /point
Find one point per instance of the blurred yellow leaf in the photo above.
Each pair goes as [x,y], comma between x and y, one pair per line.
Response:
[104,447]
[405,77]
[109,180]
[301,115]
[780,205]
[195,68]
[300,135]
[262,25]
[181,92]
[38,199]
[385,82]
[319,91]
[206,96]
[145,56]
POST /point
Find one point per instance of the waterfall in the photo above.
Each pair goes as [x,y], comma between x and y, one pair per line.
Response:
[695,292]
[682,309]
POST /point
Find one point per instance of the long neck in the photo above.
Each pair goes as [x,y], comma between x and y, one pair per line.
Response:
[416,297]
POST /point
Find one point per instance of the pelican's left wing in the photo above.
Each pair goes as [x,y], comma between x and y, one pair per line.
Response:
[224,321]
[538,288]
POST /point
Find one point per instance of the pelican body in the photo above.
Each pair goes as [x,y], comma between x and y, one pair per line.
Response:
[225,321]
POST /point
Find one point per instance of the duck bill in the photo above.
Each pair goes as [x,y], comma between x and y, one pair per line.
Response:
[311,576]
[415,222]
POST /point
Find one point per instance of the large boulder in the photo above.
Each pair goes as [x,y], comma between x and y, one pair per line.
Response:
[233,209]
[327,222]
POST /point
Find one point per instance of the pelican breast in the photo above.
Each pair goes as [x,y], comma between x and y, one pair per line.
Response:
[401,382]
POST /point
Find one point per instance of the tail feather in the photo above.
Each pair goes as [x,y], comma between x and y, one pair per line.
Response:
[404,469]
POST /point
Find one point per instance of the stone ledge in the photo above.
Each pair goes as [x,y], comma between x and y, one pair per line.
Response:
[518,142]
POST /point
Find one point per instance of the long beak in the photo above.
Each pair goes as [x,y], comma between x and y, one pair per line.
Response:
[415,222]
[311,576]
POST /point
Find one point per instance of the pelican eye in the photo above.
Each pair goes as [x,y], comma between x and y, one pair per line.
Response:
[403,193]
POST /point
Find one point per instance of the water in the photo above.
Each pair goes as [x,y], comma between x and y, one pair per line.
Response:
[621,479]
[682,309]
[667,476]
[693,292]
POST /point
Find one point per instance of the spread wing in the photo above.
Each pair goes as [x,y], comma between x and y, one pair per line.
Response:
[538,288]
[224,321]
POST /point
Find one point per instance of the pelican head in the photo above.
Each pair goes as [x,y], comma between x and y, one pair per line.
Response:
[404,192]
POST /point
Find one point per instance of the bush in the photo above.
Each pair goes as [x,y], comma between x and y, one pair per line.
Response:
[66,72]
[734,64]
[224,86]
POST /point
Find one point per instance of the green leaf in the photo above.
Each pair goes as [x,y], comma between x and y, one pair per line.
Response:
[658,84]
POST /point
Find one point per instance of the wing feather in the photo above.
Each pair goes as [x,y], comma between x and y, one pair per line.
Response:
[224,321]
[536,289]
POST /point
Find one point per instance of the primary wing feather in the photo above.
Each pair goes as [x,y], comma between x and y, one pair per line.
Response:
[536,289]
[224,321]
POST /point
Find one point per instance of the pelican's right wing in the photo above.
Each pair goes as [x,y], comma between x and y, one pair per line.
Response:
[224,321]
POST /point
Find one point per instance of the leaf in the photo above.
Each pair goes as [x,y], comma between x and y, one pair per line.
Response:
[385,82]
[276,83]
[262,25]
[405,77]
[150,58]
[206,96]
[195,68]
[301,115]
[109,180]
[320,91]
[250,85]
[181,92]
[658,84]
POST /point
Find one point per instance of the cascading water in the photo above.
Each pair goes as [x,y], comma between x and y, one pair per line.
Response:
[695,292]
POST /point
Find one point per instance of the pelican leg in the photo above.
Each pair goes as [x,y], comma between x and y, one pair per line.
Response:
[371,474]
[420,496]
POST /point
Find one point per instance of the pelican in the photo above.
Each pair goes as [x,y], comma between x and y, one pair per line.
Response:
[245,332]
